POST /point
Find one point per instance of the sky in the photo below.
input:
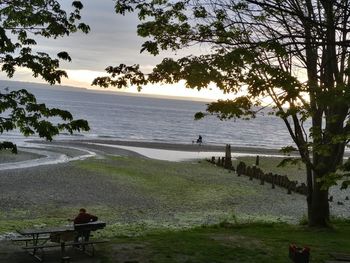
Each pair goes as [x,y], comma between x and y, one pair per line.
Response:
[111,41]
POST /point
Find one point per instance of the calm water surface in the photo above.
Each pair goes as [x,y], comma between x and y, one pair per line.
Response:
[153,119]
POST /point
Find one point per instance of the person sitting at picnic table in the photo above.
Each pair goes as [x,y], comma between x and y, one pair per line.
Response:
[83,218]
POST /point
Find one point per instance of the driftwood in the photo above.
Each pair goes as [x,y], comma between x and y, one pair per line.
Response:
[255,172]
[228,158]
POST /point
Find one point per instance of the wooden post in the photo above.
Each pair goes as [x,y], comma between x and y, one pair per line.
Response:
[222,164]
[270,177]
[253,171]
[241,168]
[262,181]
[257,160]
[228,159]
[279,180]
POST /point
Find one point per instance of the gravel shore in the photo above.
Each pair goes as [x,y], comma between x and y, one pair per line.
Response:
[131,204]
[36,190]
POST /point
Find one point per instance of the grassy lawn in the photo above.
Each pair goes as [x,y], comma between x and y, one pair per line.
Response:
[181,185]
[229,243]
[144,195]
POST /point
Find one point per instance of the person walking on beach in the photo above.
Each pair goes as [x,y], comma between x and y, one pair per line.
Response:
[199,140]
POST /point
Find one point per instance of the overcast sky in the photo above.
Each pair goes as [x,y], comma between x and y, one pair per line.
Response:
[111,41]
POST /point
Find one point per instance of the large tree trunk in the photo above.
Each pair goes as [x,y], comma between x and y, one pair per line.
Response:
[317,199]
[319,207]
[318,204]
[309,190]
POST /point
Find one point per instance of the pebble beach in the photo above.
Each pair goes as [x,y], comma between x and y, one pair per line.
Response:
[65,184]
[45,187]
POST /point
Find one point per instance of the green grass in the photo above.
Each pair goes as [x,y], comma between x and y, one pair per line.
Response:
[181,195]
[176,184]
[230,243]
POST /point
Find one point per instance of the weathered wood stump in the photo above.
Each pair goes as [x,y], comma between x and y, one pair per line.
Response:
[222,161]
[254,172]
[257,160]
[241,168]
[249,172]
[262,179]
[228,158]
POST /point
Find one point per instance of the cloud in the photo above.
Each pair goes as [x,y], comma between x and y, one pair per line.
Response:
[112,40]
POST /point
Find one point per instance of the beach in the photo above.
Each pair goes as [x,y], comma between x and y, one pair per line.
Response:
[135,194]
[86,182]
[68,185]
[37,153]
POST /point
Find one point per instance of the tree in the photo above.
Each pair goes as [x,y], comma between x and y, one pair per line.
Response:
[295,52]
[21,22]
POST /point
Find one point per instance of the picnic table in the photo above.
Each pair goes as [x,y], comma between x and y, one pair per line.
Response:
[339,258]
[77,236]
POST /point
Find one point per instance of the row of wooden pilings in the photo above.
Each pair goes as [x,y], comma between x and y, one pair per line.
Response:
[253,172]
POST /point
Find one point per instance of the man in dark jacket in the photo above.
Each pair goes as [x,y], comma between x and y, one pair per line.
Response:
[83,217]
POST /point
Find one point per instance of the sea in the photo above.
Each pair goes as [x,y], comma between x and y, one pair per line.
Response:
[139,118]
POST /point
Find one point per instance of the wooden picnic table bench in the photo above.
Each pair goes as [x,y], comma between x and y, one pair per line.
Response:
[339,258]
[78,245]
[28,239]
[76,236]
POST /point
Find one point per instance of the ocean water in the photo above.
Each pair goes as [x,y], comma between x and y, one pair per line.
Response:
[141,118]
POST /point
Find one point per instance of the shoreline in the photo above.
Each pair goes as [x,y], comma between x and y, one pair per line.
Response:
[70,150]
[186,147]
[175,152]
[40,152]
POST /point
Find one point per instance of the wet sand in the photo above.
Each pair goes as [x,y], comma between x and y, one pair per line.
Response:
[191,147]
[38,153]
[188,147]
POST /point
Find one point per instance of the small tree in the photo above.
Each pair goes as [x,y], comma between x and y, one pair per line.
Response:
[21,23]
[294,52]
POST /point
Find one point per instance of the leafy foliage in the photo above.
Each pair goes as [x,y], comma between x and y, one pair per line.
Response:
[20,110]
[21,24]
[22,21]
[287,161]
